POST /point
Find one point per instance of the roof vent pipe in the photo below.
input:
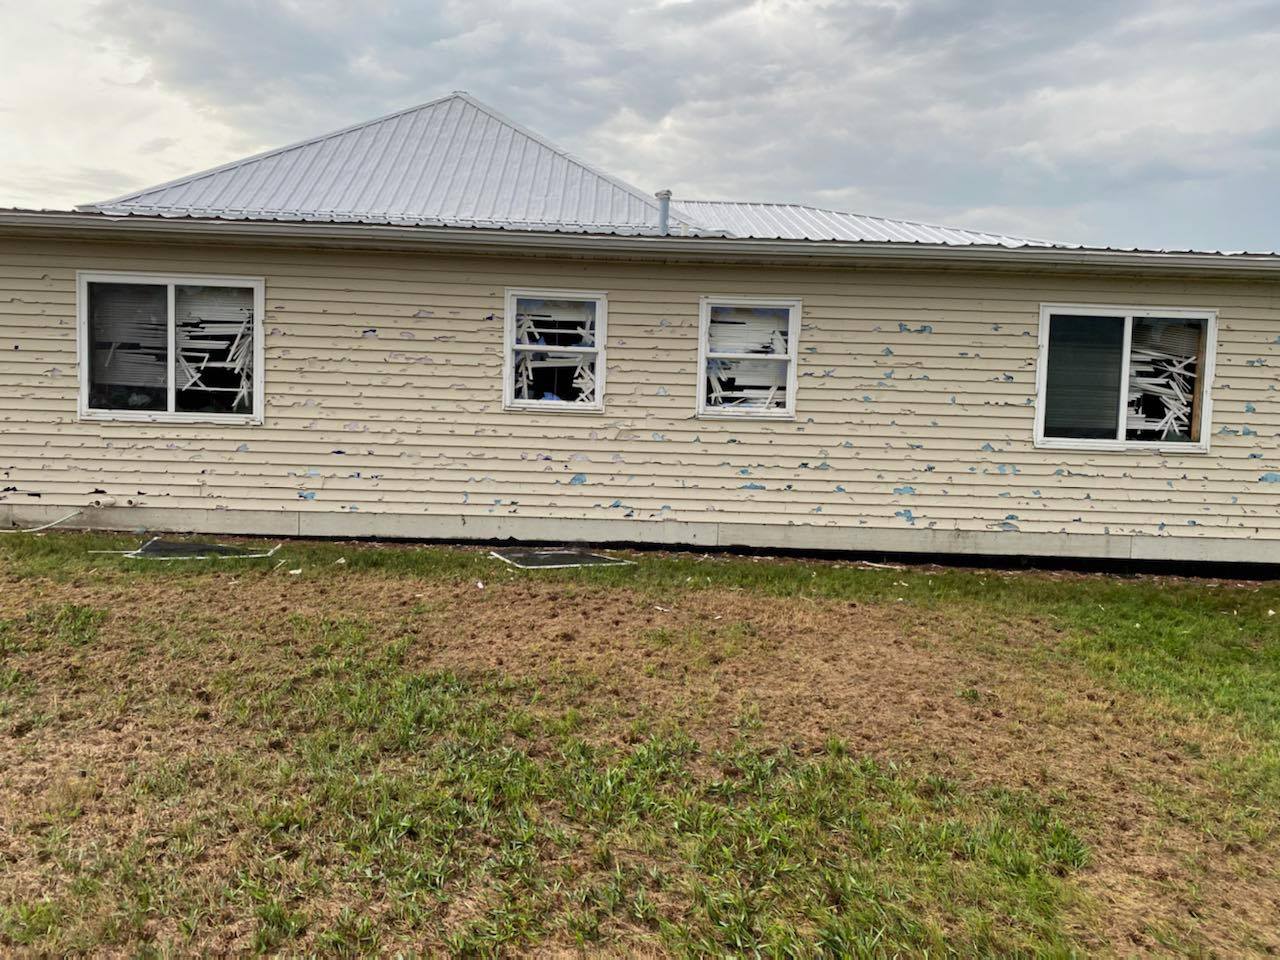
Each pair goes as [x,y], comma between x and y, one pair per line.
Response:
[664,211]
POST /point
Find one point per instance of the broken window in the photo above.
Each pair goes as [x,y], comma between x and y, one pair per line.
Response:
[1125,377]
[170,348]
[555,350]
[214,349]
[748,357]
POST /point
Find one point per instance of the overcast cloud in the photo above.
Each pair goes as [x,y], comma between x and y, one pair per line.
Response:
[1147,122]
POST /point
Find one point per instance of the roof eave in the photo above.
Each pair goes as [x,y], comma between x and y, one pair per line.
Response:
[473,239]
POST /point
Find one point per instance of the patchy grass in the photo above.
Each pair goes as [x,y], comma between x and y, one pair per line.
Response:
[424,749]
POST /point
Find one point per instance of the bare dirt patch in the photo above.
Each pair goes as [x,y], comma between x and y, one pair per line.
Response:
[949,691]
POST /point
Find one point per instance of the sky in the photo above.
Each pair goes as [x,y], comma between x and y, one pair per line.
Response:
[1151,123]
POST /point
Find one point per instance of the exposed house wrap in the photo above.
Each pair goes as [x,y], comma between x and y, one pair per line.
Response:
[916,386]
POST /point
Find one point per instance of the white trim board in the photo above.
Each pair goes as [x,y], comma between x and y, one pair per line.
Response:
[673,533]
[54,223]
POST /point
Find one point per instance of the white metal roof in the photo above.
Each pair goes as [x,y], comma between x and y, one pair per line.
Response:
[793,221]
[450,162]
[455,162]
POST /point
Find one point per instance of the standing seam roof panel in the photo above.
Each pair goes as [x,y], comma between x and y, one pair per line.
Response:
[382,189]
[388,144]
[429,162]
[442,188]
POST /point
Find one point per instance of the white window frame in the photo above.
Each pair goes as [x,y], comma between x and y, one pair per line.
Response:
[713,412]
[509,348]
[169,280]
[1128,313]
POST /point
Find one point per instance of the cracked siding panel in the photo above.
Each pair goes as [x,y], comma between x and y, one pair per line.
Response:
[915,404]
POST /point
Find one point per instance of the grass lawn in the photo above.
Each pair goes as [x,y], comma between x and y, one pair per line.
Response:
[420,750]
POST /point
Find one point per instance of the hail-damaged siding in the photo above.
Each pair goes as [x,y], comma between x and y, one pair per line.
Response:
[384,415]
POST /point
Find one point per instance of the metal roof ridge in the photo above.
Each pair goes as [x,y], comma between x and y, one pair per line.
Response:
[648,199]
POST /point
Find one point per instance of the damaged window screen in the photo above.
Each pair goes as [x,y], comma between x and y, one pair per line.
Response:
[128,338]
[556,353]
[749,353]
[1164,379]
[170,348]
[214,349]
[1124,377]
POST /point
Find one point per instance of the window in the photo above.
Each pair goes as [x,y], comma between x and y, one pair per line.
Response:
[554,350]
[747,357]
[1124,377]
[170,348]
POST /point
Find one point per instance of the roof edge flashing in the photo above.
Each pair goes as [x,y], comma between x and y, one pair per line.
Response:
[675,247]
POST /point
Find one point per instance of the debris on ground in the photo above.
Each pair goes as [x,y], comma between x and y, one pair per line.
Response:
[45,526]
[555,558]
[158,549]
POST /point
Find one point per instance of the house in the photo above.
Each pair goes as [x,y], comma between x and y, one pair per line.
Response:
[439,325]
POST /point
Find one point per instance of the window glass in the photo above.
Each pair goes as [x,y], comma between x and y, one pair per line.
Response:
[128,338]
[1082,391]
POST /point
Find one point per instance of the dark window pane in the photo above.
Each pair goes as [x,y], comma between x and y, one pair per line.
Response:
[570,377]
[1082,390]
[1164,359]
[128,346]
[747,384]
[214,340]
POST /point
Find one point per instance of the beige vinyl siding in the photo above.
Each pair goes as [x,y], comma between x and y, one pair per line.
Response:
[915,406]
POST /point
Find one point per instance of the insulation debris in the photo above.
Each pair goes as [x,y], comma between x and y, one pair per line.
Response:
[555,558]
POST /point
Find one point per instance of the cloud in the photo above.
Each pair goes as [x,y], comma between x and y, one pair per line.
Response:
[1148,122]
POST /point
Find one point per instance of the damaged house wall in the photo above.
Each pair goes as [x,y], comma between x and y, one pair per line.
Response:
[384,373]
